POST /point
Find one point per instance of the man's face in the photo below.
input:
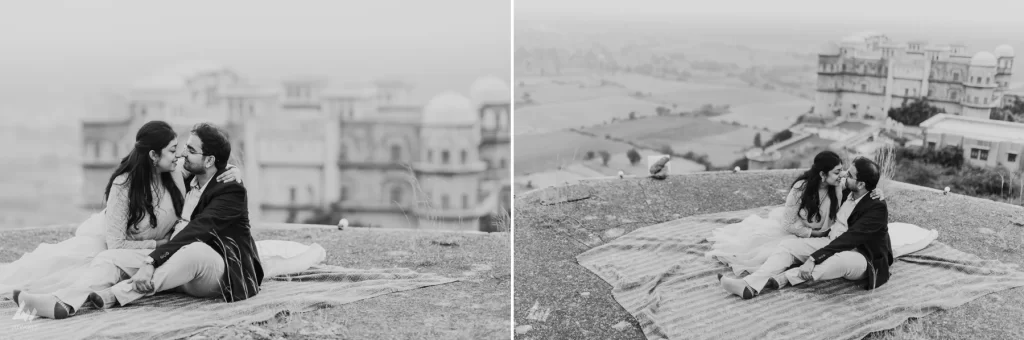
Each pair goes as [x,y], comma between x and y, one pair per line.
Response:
[195,161]
[851,178]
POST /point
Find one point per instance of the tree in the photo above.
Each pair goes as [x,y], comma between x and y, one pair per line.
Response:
[915,113]
[605,156]
[589,155]
[633,155]
[632,115]
[757,140]
[666,150]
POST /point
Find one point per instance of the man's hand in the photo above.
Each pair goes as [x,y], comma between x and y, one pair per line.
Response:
[231,173]
[143,279]
[806,269]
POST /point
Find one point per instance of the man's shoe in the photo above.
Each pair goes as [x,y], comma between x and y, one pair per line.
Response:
[738,287]
[777,281]
[102,299]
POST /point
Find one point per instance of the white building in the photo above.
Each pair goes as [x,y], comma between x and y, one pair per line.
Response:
[307,144]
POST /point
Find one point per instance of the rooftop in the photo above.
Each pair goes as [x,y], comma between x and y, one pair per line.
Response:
[548,237]
[994,130]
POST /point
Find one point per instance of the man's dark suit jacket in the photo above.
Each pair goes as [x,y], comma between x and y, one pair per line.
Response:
[868,234]
[221,220]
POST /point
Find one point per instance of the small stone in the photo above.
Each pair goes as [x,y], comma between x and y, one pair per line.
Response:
[523,329]
[621,326]
[986,231]
[585,294]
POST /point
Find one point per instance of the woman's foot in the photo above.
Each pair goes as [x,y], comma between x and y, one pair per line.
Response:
[45,305]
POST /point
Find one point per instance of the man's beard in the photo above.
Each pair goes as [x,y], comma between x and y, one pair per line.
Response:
[193,168]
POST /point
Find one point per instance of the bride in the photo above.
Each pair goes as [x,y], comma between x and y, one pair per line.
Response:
[143,204]
[810,211]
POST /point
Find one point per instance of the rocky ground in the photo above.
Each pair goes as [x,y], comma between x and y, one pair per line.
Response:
[557,298]
[475,308]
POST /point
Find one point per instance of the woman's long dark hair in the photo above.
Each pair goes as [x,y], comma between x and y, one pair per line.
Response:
[153,136]
[825,161]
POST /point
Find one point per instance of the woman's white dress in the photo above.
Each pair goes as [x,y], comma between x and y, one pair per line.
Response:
[745,245]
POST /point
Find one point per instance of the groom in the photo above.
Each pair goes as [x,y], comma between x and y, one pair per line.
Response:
[857,247]
[214,255]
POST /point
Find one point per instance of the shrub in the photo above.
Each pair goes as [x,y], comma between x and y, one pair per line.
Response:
[589,155]
[915,113]
[667,150]
[633,155]
[605,156]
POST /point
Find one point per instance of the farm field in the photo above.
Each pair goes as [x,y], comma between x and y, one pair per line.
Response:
[548,151]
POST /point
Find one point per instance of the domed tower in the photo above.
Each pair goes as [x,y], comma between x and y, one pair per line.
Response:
[1004,69]
[492,102]
[827,97]
[980,88]
[449,167]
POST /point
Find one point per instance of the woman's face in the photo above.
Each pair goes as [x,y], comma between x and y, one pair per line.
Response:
[167,159]
[832,176]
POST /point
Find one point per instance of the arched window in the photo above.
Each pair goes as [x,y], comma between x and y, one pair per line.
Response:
[344,193]
[503,163]
[445,204]
[430,155]
[396,153]
[863,87]
[462,156]
[953,95]
[844,67]
[343,152]
[956,76]
[396,195]
[465,201]
[444,157]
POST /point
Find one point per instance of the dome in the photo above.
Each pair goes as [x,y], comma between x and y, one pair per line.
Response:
[449,108]
[983,59]
[829,49]
[1004,51]
[490,90]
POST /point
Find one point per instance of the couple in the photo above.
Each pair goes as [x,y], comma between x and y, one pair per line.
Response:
[832,240]
[167,226]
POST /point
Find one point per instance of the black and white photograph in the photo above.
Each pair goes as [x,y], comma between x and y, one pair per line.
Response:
[256,169]
[768,170]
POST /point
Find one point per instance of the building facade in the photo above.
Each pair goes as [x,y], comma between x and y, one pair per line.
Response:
[307,146]
[985,142]
[866,74]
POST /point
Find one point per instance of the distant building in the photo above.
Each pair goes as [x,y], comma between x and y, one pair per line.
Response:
[307,144]
[985,142]
[866,74]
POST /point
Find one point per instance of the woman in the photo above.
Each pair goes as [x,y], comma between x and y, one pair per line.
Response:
[810,210]
[143,202]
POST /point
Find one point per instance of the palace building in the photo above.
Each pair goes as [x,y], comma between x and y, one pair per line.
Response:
[866,74]
[306,145]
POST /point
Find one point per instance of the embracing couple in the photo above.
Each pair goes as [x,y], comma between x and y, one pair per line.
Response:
[834,225]
[168,225]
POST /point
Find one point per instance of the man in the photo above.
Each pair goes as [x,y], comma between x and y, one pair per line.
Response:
[858,245]
[212,255]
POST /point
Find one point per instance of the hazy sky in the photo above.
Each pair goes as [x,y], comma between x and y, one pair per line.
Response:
[990,11]
[63,47]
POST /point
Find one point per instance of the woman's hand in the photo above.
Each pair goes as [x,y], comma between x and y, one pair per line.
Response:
[231,173]
[162,241]
[877,194]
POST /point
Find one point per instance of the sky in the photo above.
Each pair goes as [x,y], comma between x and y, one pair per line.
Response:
[62,49]
[989,11]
